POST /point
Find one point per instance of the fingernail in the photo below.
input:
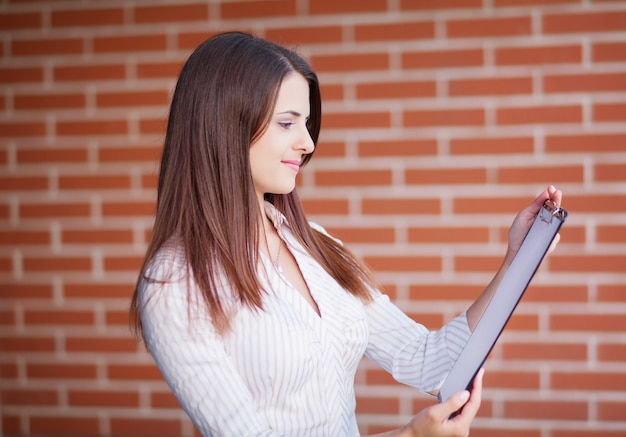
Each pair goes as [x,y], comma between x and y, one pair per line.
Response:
[464,395]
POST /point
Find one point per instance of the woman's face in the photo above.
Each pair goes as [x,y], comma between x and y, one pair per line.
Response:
[276,154]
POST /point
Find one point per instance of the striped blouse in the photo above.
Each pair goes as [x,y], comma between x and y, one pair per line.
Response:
[285,371]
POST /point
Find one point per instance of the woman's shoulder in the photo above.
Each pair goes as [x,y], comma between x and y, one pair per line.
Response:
[169,263]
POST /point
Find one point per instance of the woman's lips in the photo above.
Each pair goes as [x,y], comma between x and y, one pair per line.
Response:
[294,165]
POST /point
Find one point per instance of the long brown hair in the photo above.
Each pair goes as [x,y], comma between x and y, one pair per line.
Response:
[206,203]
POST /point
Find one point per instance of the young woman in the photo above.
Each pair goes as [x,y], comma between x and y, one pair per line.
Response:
[256,318]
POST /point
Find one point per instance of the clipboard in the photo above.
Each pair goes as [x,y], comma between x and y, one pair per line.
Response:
[504,300]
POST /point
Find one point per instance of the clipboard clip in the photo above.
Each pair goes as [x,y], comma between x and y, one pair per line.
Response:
[549,211]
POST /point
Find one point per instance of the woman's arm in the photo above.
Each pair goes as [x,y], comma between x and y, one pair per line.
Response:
[522,223]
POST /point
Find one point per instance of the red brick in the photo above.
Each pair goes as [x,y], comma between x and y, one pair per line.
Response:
[355,119]
[609,172]
[26,291]
[567,54]
[544,175]
[29,397]
[446,176]
[66,426]
[608,52]
[509,3]
[132,98]
[491,146]
[61,371]
[363,234]
[22,129]
[611,293]
[114,317]
[611,411]
[584,22]
[95,182]
[403,263]
[592,381]
[448,235]
[544,351]
[592,143]
[399,148]
[102,398]
[21,74]
[59,317]
[49,155]
[597,203]
[258,9]
[447,292]
[95,127]
[490,86]
[23,183]
[546,410]
[305,35]
[97,236]
[539,114]
[158,69]
[121,263]
[133,372]
[511,380]
[346,62]
[587,322]
[401,206]
[600,82]
[152,126]
[47,47]
[444,117]
[49,101]
[127,209]
[615,352]
[377,405]
[109,344]
[20,20]
[169,13]
[396,90]
[473,28]
[164,400]
[54,210]
[130,43]
[334,7]
[141,427]
[587,263]
[477,263]
[443,59]
[90,72]
[24,238]
[87,17]
[325,206]
[27,344]
[439,4]
[411,30]
[58,264]
[129,153]
[98,291]
[352,177]
[609,112]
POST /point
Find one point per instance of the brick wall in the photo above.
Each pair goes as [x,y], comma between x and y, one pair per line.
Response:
[442,119]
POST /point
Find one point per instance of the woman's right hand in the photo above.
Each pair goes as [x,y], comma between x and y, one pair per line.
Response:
[435,421]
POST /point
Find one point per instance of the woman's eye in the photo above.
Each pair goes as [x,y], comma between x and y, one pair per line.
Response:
[286,124]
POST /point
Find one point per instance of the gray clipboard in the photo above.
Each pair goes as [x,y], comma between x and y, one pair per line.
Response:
[504,300]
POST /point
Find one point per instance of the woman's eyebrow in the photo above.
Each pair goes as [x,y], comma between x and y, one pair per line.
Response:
[291,112]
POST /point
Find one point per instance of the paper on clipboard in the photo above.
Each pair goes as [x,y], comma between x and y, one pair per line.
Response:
[504,300]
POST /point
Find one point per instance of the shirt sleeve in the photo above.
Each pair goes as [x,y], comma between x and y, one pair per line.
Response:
[411,353]
[194,363]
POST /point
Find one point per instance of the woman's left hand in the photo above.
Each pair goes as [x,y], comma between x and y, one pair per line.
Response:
[525,218]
